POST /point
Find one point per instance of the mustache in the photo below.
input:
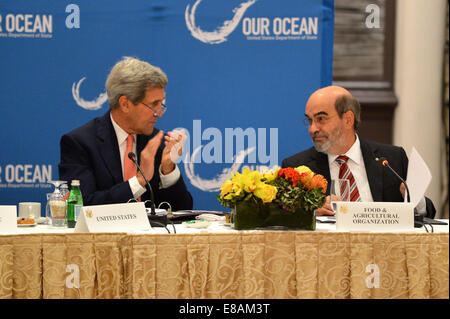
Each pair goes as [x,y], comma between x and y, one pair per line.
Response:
[316,135]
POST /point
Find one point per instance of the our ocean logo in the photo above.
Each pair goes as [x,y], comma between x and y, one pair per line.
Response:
[221,33]
[87,105]
[24,25]
[14,176]
[279,28]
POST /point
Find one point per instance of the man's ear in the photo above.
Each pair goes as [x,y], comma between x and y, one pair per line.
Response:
[124,104]
[349,118]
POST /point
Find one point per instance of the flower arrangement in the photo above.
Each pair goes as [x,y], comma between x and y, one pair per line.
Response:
[289,188]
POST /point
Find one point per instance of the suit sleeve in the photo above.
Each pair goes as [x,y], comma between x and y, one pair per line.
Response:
[286,163]
[76,163]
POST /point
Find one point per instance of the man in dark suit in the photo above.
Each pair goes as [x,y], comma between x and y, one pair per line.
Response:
[332,116]
[97,152]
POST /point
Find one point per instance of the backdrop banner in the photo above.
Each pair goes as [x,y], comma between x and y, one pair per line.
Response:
[240,73]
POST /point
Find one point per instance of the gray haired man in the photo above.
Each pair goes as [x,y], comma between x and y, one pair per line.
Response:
[97,152]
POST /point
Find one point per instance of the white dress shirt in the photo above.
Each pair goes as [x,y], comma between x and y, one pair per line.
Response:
[136,188]
[358,169]
[356,165]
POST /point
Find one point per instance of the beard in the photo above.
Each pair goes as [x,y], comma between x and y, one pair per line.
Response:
[332,141]
[324,146]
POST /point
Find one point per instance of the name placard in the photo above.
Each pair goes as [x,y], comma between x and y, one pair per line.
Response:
[8,218]
[374,216]
[113,218]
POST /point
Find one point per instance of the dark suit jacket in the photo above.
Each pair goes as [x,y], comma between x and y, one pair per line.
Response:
[384,185]
[90,153]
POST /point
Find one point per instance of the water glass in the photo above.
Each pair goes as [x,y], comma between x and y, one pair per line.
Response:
[56,208]
[340,188]
[58,212]
[339,191]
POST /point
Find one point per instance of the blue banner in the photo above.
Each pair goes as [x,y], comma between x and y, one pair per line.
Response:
[240,73]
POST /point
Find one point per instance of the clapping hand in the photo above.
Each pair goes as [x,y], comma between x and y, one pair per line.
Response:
[173,149]
[148,158]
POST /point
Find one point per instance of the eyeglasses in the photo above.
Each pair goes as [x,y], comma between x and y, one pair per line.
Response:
[319,120]
[158,113]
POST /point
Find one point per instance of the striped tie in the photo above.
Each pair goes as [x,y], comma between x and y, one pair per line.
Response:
[345,173]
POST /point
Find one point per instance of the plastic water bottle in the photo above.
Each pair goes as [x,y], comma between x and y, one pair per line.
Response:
[74,203]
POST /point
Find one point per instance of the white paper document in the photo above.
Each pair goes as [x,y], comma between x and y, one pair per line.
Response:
[418,178]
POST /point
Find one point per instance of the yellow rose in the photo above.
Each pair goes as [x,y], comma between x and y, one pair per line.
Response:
[266,192]
[303,169]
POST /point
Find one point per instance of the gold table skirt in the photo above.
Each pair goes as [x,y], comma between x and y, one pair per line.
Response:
[290,265]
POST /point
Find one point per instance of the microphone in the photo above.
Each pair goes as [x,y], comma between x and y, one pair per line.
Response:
[132,157]
[418,218]
[385,163]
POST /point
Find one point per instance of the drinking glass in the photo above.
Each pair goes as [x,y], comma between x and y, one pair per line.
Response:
[56,208]
[339,191]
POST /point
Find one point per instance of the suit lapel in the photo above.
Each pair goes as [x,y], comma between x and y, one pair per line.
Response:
[374,170]
[108,148]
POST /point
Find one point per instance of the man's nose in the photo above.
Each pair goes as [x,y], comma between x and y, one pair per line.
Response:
[313,128]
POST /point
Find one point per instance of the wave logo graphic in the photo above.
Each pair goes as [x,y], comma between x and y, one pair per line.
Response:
[214,184]
[87,105]
[221,33]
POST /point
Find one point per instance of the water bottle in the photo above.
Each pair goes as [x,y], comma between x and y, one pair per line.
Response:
[74,203]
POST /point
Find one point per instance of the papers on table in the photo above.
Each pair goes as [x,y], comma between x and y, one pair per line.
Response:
[326,219]
[197,212]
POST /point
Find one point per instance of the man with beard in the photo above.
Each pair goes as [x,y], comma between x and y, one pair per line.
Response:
[333,115]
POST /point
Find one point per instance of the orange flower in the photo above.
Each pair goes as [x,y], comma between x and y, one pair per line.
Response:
[305,178]
[318,181]
[290,174]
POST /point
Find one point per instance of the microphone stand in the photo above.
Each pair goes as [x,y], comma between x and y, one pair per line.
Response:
[155,220]
[418,218]
[132,157]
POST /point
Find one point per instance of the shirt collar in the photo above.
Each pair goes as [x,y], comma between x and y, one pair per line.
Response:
[354,153]
[120,132]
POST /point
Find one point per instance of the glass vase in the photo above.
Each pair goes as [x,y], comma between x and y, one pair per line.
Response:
[252,215]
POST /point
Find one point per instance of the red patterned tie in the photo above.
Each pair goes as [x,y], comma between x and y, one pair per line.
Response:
[345,173]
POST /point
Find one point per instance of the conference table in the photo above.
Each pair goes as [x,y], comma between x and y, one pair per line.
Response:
[219,262]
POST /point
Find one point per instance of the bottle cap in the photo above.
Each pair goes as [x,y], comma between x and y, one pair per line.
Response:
[75,182]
